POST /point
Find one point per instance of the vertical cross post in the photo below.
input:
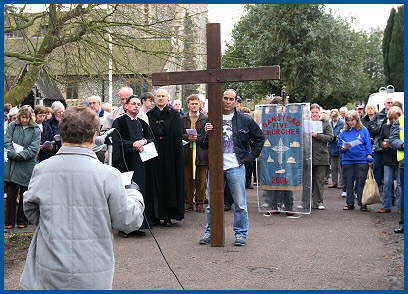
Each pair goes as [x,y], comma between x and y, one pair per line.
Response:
[215,138]
[215,76]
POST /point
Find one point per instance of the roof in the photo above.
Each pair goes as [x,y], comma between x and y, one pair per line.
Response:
[48,88]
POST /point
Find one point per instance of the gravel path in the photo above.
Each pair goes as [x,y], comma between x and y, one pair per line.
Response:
[329,249]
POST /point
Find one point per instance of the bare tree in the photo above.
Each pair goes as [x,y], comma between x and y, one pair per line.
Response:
[70,40]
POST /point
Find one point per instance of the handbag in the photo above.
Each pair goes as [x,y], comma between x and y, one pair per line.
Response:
[371,194]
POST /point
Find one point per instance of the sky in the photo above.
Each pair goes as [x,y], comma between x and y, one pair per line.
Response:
[367,16]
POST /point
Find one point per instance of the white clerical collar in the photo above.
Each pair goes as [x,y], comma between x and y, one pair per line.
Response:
[132,118]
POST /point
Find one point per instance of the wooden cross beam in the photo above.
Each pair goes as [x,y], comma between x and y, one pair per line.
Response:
[214,76]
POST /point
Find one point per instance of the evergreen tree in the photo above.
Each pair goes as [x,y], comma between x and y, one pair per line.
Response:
[386,43]
[396,51]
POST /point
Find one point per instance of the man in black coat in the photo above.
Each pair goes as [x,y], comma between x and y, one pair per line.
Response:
[167,129]
[134,134]
[243,141]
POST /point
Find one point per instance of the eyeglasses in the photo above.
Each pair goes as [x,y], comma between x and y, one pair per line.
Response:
[134,103]
[389,102]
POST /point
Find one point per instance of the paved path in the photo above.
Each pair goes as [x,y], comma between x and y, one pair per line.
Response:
[330,249]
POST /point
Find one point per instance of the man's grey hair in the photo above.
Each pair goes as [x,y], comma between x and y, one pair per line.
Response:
[126,89]
[162,90]
[57,105]
[344,108]
[371,106]
[13,111]
[201,97]
[97,98]
[176,101]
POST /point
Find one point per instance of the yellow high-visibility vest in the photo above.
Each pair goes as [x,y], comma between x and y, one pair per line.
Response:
[400,154]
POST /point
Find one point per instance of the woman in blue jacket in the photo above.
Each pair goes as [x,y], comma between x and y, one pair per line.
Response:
[355,146]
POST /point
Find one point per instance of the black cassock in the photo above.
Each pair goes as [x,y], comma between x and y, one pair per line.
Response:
[168,133]
[126,158]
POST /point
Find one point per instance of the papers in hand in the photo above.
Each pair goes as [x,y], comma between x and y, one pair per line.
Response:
[127,178]
[191,132]
[352,143]
[57,137]
[47,143]
[313,126]
[149,152]
[18,148]
[5,155]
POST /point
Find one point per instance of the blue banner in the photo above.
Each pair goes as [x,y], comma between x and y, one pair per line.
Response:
[281,157]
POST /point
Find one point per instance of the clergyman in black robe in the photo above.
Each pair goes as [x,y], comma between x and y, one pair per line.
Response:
[167,128]
[125,157]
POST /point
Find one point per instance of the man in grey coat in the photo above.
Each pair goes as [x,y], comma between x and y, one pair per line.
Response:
[75,201]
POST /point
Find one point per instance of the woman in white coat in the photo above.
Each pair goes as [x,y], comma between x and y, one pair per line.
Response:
[76,201]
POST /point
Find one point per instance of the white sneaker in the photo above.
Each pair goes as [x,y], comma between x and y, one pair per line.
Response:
[343,194]
[321,207]
[300,206]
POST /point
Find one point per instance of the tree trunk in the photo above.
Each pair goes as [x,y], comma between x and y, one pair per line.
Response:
[23,87]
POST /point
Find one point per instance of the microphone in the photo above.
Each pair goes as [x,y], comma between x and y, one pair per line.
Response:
[108,132]
[100,140]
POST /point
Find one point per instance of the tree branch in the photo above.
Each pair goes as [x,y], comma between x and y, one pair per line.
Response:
[10,28]
[24,57]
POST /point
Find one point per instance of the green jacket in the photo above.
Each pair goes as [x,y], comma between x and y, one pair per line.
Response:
[320,150]
[19,172]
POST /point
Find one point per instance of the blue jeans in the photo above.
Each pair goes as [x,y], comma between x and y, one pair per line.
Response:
[355,172]
[378,167]
[235,179]
[390,173]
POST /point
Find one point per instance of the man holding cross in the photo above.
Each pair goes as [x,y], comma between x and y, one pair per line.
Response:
[243,141]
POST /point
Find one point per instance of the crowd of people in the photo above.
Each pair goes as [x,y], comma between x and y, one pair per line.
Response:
[361,139]
[38,142]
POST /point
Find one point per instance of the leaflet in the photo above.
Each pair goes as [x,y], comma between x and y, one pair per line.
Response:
[47,143]
[18,148]
[313,126]
[191,132]
[149,152]
[352,143]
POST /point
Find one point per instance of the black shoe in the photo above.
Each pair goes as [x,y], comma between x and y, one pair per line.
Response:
[167,223]
[363,208]
[138,233]
[399,230]
[227,207]
[123,234]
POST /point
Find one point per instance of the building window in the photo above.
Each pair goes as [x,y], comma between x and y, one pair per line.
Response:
[14,34]
[72,90]
[139,87]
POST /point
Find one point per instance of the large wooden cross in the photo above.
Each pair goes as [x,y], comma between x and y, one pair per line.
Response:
[214,76]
